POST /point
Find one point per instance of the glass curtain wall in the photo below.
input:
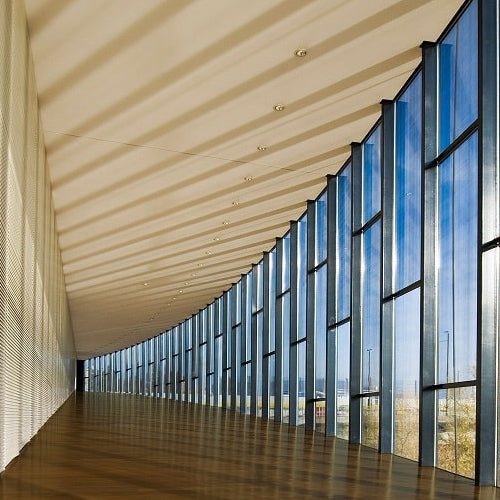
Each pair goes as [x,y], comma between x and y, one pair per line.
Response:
[394,345]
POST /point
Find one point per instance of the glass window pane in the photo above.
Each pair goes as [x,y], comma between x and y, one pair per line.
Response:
[320,331]
[260,328]
[370,421]
[457,430]
[229,385]
[302,278]
[218,370]
[202,373]
[259,284]
[247,370]
[370,308]
[371,176]
[343,376]
[272,383]
[271,313]
[320,230]
[406,374]
[286,263]
[285,304]
[301,383]
[457,264]
[458,78]
[343,244]
[407,186]
[237,313]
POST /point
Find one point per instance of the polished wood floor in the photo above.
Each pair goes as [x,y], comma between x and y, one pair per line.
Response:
[108,446]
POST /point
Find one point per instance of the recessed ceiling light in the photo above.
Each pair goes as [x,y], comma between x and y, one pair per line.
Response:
[301,52]
[200,265]
[261,147]
[279,107]
[208,252]
[186,283]
[248,178]
[225,223]
[193,275]
[145,284]
[181,291]
[216,238]
[235,203]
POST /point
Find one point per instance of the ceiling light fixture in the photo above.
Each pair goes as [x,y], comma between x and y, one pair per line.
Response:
[145,284]
[181,291]
[279,107]
[301,52]
[225,223]
[216,238]
[248,178]
[261,148]
[208,252]
[235,203]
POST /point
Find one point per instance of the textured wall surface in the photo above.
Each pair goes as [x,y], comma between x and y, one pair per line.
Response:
[37,359]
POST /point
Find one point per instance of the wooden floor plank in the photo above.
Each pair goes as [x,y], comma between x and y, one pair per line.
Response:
[110,446]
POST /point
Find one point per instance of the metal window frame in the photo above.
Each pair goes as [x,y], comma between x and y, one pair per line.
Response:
[386,420]
[487,420]
[293,361]
[355,363]
[310,317]
[428,313]
[278,332]
[331,309]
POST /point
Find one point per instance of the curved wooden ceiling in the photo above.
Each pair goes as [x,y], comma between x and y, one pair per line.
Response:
[153,111]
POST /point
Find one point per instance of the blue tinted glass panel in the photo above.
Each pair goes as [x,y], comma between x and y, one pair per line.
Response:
[407,186]
[370,308]
[343,244]
[271,343]
[237,312]
[320,232]
[260,328]
[302,278]
[320,330]
[371,176]
[457,264]
[285,304]
[286,263]
[458,78]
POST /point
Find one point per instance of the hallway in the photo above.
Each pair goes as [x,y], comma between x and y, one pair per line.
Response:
[103,446]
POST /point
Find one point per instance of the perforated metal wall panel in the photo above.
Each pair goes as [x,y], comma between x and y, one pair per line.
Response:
[37,356]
